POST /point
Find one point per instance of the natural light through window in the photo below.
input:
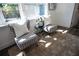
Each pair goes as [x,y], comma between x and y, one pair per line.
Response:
[42,41]
[59,30]
[10,10]
[55,38]
[48,36]
[20,54]
[64,31]
[48,44]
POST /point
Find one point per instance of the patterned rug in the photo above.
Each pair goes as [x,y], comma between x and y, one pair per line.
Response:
[60,43]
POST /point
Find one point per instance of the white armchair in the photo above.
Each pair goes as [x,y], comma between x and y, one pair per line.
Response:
[26,40]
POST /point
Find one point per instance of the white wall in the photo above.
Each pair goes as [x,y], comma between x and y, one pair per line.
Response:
[63,14]
[52,17]
[33,10]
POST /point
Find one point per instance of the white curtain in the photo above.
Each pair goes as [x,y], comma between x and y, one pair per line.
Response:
[31,11]
[21,12]
[2,19]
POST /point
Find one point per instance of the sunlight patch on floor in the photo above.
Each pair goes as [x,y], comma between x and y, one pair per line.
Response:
[48,36]
[20,54]
[64,32]
[55,39]
[48,44]
[42,41]
[59,30]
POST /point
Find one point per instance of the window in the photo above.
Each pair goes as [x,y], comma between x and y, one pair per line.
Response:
[10,10]
[34,11]
[41,9]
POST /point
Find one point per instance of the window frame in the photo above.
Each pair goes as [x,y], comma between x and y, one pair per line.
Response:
[13,18]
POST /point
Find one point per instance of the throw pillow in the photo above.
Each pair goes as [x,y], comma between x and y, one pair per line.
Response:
[20,28]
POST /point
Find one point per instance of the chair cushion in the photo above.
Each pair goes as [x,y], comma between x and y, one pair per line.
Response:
[27,37]
[26,40]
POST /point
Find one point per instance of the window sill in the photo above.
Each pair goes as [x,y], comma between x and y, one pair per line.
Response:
[2,25]
[11,19]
